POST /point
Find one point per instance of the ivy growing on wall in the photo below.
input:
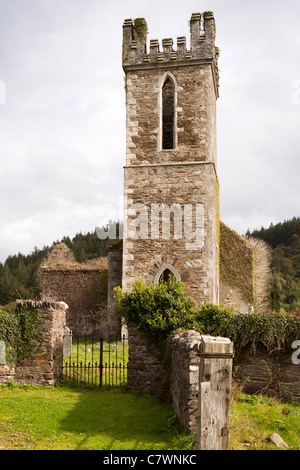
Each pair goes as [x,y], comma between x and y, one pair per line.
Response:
[236,262]
[163,309]
[19,332]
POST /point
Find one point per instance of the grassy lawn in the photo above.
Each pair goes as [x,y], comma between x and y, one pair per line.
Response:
[66,418]
[253,418]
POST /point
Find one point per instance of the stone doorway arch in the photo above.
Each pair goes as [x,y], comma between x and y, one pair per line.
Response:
[164,271]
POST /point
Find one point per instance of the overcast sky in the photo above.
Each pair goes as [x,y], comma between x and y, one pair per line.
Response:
[62,112]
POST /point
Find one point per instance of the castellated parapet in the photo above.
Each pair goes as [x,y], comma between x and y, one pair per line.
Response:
[202,46]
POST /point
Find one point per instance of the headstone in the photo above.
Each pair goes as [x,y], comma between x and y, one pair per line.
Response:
[67,347]
[2,353]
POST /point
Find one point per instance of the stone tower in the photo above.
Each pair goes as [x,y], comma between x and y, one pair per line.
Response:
[171,217]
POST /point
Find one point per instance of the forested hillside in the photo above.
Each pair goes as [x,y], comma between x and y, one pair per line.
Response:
[18,274]
[284,238]
[18,277]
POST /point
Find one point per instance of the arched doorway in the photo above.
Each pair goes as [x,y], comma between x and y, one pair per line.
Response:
[164,272]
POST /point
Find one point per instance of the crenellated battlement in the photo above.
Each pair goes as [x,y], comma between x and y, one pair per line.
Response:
[202,45]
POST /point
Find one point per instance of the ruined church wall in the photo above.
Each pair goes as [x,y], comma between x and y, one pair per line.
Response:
[114,279]
[83,286]
[244,272]
[84,291]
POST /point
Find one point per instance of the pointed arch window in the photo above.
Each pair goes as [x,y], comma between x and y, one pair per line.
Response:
[168,114]
[165,275]
[164,272]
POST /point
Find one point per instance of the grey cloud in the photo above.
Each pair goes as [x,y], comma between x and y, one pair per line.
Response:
[62,130]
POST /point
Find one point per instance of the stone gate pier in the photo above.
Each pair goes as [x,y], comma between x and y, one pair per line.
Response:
[44,367]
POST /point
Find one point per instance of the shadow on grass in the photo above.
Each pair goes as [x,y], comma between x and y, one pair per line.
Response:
[117,420]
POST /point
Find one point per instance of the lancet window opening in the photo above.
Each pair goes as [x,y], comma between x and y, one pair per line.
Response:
[168,117]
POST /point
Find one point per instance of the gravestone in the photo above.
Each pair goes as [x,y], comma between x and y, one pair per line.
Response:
[67,347]
[2,353]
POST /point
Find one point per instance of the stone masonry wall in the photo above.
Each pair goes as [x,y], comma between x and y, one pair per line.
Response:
[82,286]
[144,255]
[236,271]
[145,372]
[181,176]
[184,383]
[7,373]
[244,272]
[257,373]
[44,367]
[274,375]
[115,255]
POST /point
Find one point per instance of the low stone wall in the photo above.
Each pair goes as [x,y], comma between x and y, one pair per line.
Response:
[275,375]
[44,367]
[6,374]
[259,373]
[145,372]
[184,386]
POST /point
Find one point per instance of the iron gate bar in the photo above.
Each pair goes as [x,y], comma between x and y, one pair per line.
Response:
[101,363]
[85,371]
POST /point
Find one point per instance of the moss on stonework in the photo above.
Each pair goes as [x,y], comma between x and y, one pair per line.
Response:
[208,13]
[140,28]
[218,220]
[236,262]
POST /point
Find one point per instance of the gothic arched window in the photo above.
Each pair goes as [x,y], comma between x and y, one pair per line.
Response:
[165,275]
[168,114]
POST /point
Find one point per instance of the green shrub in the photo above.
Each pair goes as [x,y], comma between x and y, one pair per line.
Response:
[163,309]
[157,310]
[272,332]
[214,320]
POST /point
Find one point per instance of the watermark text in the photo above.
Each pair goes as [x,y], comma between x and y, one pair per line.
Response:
[161,222]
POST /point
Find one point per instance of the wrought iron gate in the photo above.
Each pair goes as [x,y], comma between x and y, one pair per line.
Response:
[91,361]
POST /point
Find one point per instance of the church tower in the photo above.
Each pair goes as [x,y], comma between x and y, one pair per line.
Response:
[171,216]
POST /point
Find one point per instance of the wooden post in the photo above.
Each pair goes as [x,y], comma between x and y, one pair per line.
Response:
[214,393]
